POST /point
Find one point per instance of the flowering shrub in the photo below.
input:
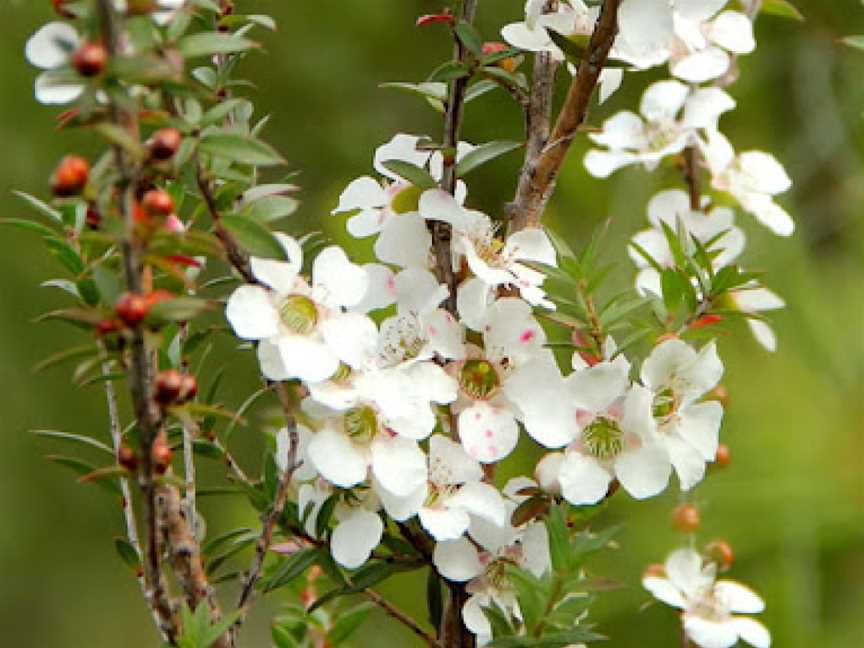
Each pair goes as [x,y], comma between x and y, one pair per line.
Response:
[404,382]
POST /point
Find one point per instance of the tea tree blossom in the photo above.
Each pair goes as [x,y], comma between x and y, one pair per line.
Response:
[300,327]
[50,49]
[672,116]
[710,608]
[754,300]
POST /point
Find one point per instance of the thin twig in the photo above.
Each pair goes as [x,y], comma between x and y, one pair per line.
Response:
[690,170]
[538,178]
[394,612]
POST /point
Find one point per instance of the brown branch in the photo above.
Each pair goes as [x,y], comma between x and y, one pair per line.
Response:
[537,122]
[690,170]
[265,539]
[394,612]
[538,178]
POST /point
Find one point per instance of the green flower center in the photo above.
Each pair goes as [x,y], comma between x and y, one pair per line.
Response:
[361,423]
[603,438]
[664,403]
[478,378]
[299,314]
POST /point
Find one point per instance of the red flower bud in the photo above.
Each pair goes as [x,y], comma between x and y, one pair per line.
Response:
[706,320]
[164,143]
[132,308]
[90,59]
[157,203]
[686,518]
[127,458]
[720,552]
[509,64]
[167,386]
[157,296]
[60,8]
[70,177]
[108,326]
[724,456]
[94,218]
[430,19]
[188,388]
[161,454]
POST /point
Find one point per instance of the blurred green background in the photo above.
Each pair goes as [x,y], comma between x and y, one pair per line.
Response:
[792,504]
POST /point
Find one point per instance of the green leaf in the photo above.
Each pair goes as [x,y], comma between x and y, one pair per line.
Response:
[41,207]
[573,51]
[434,600]
[253,237]
[128,554]
[73,438]
[559,541]
[854,41]
[429,90]
[782,8]
[271,208]
[449,71]
[470,37]
[65,254]
[291,568]
[283,638]
[75,353]
[213,632]
[483,154]
[322,520]
[210,43]
[347,623]
[213,544]
[499,620]
[83,468]
[181,309]
[412,173]
[239,148]
[530,593]
[27,225]
[677,289]
[221,110]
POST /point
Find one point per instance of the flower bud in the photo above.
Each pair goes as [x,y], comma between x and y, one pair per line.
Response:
[508,64]
[93,218]
[61,10]
[161,454]
[127,458]
[140,7]
[167,386]
[654,570]
[706,320]
[429,19]
[90,59]
[720,552]
[686,518]
[719,394]
[157,297]
[724,456]
[108,326]
[132,308]
[157,203]
[70,177]
[188,388]
[164,143]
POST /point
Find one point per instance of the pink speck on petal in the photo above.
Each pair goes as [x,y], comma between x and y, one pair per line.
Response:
[391,284]
[474,451]
[477,416]
[583,417]
[432,330]
[527,336]
[489,434]
[492,450]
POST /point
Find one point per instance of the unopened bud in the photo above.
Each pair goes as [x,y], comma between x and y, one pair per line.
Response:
[132,308]
[161,454]
[70,177]
[705,321]
[720,552]
[724,456]
[508,64]
[188,388]
[140,7]
[157,203]
[108,326]
[90,59]
[430,19]
[167,386]
[127,458]
[93,218]
[61,10]
[164,143]
[686,518]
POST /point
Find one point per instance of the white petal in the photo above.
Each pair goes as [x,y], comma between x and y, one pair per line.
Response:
[53,89]
[663,590]
[337,459]
[738,597]
[756,300]
[646,25]
[668,206]
[597,387]
[355,537]
[402,147]
[531,244]
[362,193]
[767,212]
[643,472]
[366,223]
[512,331]
[702,66]
[472,300]
[699,10]
[437,204]
[51,45]
[610,81]
[733,31]
[655,244]
[663,100]
[764,334]
[251,313]
[480,499]
[444,523]
[699,425]
[535,549]
[488,433]
[547,470]
[281,276]
[624,130]
[457,560]
[445,334]
[539,391]
[684,570]
[352,337]
[341,282]
[381,291]
[398,463]
[449,464]
[764,173]
[602,164]
[718,152]
[404,241]
[271,362]
[532,40]
[710,634]
[307,358]
[637,418]
[689,464]
[401,508]
[418,291]
[704,107]
[583,480]
[752,632]
[474,617]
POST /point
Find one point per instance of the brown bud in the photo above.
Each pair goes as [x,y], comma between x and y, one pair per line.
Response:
[168,386]
[127,458]
[60,8]
[107,326]
[724,456]
[140,7]
[509,64]
[686,518]
[719,394]
[720,552]
[188,388]
[70,177]
[132,308]
[94,218]
[655,570]
[161,454]
[164,143]
[90,59]
[157,203]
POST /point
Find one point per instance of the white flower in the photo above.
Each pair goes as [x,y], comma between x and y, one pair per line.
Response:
[303,330]
[679,376]
[487,413]
[166,9]
[754,299]
[454,493]
[672,207]
[611,434]
[493,262]
[709,606]
[672,115]
[753,178]
[49,49]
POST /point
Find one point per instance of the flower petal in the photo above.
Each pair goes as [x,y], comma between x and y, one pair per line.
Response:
[752,632]
[583,480]
[251,313]
[488,433]
[401,147]
[732,30]
[355,537]
[337,459]
[51,45]
[362,193]
[457,560]
[663,590]
[738,597]
[444,523]
[307,358]
[643,472]
[702,66]
[404,241]
[480,499]
[342,283]
[398,464]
